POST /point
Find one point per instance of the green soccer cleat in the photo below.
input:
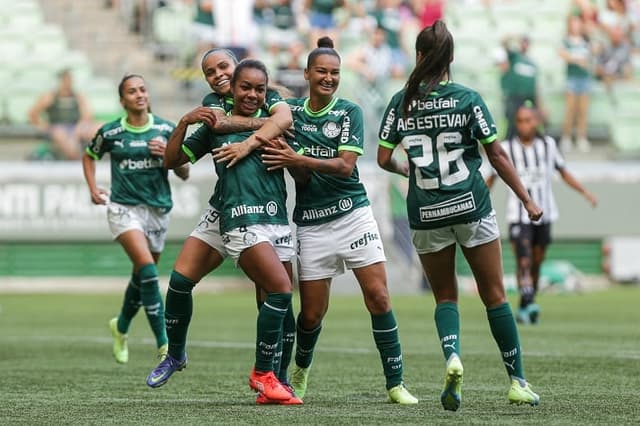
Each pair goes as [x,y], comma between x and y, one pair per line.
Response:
[520,393]
[522,317]
[451,396]
[299,380]
[534,313]
[400,395]
[120,348]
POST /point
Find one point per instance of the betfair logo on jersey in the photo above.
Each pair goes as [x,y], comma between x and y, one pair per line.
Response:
[319,151]
[455,207]
[364,240]
[147,163]
[388,122]
[434,104]
[271,209]
[331,129]
[484,126]
[346,129]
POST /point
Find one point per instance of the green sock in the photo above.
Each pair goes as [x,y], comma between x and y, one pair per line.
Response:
[305,344]
[269,329]
[385,334]
[448,325]
[505,333]
[288,339]
[178,313]
[152,301]
[130,305]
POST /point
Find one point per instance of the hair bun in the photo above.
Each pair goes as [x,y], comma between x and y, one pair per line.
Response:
[325,42]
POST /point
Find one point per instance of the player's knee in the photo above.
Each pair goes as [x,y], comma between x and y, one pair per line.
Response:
[378,303]
[310,318]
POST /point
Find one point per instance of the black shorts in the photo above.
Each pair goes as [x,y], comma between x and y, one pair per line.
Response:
[526,236]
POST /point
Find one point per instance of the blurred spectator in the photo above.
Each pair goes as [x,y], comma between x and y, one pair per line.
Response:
[322,21]
[576,52]
[373,60]
[64,115]
[203,27]
[388,15]
[279,23]
[428,11]
[236,28]
[291,70]
[518,80]
[614,58]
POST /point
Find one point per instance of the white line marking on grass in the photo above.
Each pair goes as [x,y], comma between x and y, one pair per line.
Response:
[212,344]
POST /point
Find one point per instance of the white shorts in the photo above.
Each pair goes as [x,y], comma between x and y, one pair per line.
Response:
[279,236]
[470,234]
[208,230]
[352,241]
[151,221]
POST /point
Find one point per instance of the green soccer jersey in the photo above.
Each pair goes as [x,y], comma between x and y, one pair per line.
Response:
[245,194]
[225,103]
[323,134]
[137,177]
[440,135]
[520,79]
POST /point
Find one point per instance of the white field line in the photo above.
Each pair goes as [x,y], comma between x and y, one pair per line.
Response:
[212,344]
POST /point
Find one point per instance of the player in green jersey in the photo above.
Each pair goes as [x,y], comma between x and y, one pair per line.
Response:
[336,227]
[439,124]
[203,251]
[250,210]
[138,205]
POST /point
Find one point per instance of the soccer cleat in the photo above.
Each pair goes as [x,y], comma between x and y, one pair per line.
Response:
[267,384]
[522,317]
[299,378]
[534,313]
[120,347]
[451,396]
[294,400]
[400,395]
[161,374]
[520,393]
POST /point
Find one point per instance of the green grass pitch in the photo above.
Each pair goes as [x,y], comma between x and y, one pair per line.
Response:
[56,365]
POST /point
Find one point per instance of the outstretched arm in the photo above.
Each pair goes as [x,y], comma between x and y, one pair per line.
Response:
[573,183]
[501,163]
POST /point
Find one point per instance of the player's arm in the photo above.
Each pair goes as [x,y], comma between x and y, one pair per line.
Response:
[490,180]
[390,164]
[98,195]
[502,165]
[575,184]
[174,156]
[35,112]
[279,121]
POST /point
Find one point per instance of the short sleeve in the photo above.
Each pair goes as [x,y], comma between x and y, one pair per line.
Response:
[352,131]
[558,159]
[388,134]
[272,100]
[199,143]
[483,128]
[99,145]
[215,101]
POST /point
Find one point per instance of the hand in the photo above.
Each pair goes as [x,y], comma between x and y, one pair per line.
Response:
[99,196]
[591,198]
[157,146]
[403,169]
[535,212]
[280,156]
[232,152]
[201,114]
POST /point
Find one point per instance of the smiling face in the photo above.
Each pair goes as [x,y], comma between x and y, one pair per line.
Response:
[134,96]
[249,90]
[218,68]
[323,75]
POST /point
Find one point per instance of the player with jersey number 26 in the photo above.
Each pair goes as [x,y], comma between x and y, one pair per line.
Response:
[138,205]
[439,124]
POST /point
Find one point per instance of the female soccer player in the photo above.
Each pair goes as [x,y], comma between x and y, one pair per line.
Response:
[203,251]
[336,227]
[249,206]
[138,205]
[439,123]
[535,158]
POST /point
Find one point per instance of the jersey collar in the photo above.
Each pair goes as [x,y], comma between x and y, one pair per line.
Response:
[320,113]
[135,129]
